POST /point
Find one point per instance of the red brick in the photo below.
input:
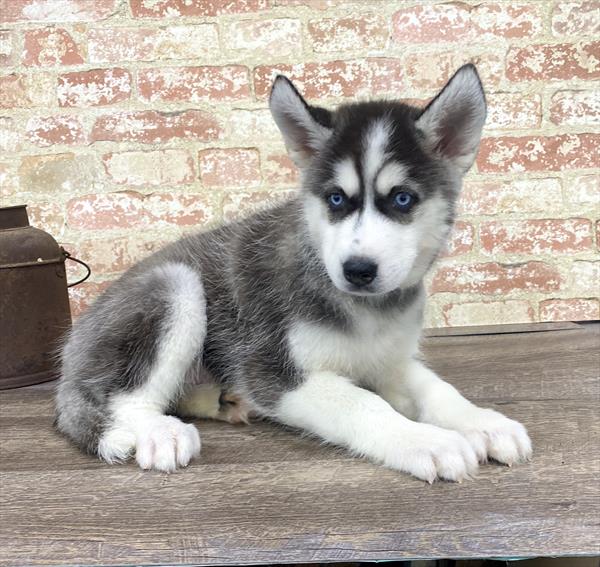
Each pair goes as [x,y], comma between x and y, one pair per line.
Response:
[539,236]
[176,209]
[584,189]
[315,80]
[334,79]
[178,8]
[569,310]
[367,31]
[432,69]
[458,22]
[98,87]
[242,203]
[461,240]
[231,167]
[514,196]
[584,277]
[386,75]
[554,62]
[312,4]
[576,18]
[150,168]
[47,216]
[26,91]
[279,169]
[58,173]
[55,11]
[7,48]
[132,209]
[108,254]
[50,46]
[113,45]
[539,153]
[152,127]
[510,21]
[513,111]
[493,278]
[576,108]
[10,135]
[107,211]
[194,84]
[432,23]
[83,295]
[282,36]
[243,126]
[50,130]
[487,312]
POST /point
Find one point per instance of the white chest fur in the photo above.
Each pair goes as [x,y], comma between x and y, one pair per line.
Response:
[375,345]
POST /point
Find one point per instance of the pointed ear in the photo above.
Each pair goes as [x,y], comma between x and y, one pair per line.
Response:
[305,129]
[452,122]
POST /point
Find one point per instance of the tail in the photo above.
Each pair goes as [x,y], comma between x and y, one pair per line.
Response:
[117,344]
[79,416]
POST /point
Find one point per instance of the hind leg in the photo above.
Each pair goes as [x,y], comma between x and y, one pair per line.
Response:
[212,402]
[137,417]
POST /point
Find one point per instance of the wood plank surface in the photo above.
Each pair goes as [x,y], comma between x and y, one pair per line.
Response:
[500,329]
[264,494]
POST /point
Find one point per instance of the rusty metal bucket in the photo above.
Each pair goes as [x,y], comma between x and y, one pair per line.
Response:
[34,302]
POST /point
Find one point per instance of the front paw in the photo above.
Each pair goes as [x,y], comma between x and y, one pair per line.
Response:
[430,452]
[493,435]
[165,443]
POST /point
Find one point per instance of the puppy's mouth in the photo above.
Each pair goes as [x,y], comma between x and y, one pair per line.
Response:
[361,291]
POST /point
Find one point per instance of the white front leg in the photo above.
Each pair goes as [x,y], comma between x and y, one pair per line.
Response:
[339,412]
[422,394]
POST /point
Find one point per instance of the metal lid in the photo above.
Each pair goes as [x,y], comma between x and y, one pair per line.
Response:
[24,245]
[13,217]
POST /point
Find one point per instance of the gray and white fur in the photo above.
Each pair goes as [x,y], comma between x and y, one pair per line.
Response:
[308,313]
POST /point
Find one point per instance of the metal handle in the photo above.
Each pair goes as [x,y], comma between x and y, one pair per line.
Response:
[68,256]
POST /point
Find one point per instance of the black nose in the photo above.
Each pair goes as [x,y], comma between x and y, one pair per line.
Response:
[360,271]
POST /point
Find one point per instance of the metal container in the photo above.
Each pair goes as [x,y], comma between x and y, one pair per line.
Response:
[34,302]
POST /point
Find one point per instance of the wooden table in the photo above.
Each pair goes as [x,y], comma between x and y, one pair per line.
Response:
[261,494]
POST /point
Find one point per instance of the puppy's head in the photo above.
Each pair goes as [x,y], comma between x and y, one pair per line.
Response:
[380,179]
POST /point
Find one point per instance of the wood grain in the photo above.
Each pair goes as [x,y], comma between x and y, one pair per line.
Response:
[263,494]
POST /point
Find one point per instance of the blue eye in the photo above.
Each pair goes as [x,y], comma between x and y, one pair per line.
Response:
[404,201]
[336,200]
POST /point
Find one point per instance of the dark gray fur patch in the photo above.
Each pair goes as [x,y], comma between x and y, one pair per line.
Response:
[112,347]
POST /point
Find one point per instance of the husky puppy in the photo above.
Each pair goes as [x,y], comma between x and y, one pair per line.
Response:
[308,313]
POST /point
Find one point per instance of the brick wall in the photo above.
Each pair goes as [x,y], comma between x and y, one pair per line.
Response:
[126,123]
